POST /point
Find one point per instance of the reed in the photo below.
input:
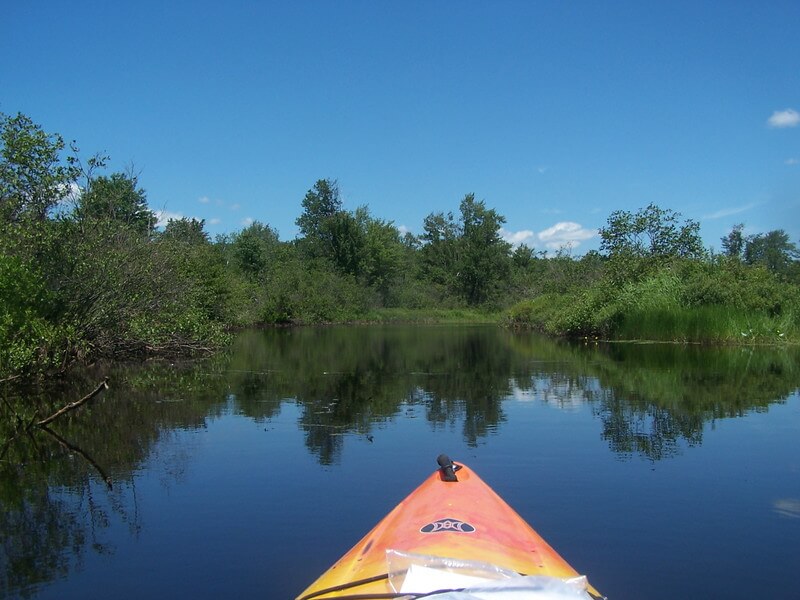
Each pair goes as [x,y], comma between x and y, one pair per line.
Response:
[713,324]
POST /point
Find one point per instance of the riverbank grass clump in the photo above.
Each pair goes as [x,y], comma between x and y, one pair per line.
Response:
[689,303]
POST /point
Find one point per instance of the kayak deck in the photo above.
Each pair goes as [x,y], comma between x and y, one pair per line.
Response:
[464,520]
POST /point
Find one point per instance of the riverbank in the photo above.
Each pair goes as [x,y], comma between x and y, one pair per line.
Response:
[449,316]
[671,305]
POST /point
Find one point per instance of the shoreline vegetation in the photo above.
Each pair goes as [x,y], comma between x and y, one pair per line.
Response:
[86,273]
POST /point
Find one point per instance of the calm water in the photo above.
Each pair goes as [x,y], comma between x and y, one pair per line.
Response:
[659,471]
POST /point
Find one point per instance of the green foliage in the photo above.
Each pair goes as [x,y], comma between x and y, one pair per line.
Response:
[32,177]
[651,231]
[383,258]
[254,250]
[123,293]
[96,282]
[190,232]
[484,266]
[99,281]
[317,223]
[685,300]
[26,335]
[467,258]
[117,198]
[773,250]
[439,253]
[561,273]
[733,243]
[354,244]
[540,313]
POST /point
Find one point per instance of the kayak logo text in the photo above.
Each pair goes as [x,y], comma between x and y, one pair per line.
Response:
[448,525]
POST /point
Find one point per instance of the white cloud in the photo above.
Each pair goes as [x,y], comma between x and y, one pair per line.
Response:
[542,169]
[214,221]
[204,199]
[164,216]
[235,206]
[70,192]
[784,118]
[516,238]
[403,229]
[246,222]
[565,234]
[792,161]
[727,212]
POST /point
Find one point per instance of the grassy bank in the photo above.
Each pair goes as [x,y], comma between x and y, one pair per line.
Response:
[687,302]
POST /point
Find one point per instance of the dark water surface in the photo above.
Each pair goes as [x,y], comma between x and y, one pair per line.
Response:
[659,471]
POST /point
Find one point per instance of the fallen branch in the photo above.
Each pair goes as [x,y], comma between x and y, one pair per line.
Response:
[77,404]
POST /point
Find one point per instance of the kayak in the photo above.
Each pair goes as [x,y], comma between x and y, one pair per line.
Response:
[451,538]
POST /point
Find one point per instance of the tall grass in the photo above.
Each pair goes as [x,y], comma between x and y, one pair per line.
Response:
[690,302]
[706,324]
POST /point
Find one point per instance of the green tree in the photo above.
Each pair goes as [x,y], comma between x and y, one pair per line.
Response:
[651,232]
[26,305]
[523,256]
[117,198]
[329,232]
[773,250]
[254,248]
[440,249]
[468,257]
[33,179]
[188,231]
[484,264]
[344,235]
[382,258]
[320,204]
[733,244]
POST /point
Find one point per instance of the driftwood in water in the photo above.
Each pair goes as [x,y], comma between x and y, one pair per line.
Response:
[78,403]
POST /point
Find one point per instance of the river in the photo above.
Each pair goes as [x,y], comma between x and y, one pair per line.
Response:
[660,471]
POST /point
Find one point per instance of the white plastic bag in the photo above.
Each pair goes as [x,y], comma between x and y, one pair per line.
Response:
[419,573]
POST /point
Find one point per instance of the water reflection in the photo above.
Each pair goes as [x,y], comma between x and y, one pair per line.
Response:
[650,400]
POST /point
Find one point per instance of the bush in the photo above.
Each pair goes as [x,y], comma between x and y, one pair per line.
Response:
[27,336]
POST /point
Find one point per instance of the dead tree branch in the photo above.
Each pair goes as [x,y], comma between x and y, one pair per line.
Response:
[77,404]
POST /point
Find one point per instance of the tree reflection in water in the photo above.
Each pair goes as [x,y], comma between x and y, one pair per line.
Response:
[651,400]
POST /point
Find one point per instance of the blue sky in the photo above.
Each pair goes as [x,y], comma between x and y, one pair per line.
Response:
[554,113]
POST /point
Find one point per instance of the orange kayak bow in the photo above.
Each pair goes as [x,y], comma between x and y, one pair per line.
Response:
[453,532]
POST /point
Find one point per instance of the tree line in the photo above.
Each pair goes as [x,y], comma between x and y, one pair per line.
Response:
[85,272]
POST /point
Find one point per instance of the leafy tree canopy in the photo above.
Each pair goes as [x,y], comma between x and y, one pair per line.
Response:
[466,255]
[651,232]
[733,243]
[33,179]
[320,204]
[117,198]
[188,231]
[253,249]
[773,250]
